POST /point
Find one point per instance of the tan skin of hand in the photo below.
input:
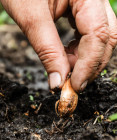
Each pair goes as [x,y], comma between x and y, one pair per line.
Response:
[96,35]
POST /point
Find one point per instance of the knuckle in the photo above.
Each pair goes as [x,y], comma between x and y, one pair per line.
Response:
[76,5]
[102,33]
[113,39]
[47,55]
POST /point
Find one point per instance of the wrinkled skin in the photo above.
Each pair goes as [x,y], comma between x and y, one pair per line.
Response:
[96,36]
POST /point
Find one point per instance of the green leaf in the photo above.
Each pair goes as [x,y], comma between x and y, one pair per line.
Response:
[45,74]
[29,76]
[114,131]
[113,3]
[31,98]
[114,79]
[104,72]
[113,117]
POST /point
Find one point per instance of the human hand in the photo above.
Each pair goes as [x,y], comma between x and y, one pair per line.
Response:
[87,56]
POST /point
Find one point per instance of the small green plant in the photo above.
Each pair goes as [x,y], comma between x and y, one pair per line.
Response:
[104,72]
[37,94]
[45,74]
[114,79]
[113,117]
[114,131]
[113,76]
[29,76]
[31,98]
[99,119]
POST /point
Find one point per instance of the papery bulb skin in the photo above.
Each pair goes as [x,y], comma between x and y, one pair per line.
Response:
[68,100]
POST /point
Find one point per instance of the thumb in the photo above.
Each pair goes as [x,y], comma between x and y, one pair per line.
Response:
[45,40]
[92,23]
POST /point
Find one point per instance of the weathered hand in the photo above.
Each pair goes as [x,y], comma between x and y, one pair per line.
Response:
[87,56]
[97,23]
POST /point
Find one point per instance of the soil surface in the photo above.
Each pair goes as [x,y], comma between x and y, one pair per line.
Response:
[27,108]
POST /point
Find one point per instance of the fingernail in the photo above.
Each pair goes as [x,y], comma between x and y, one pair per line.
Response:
[54,80]
[83,86]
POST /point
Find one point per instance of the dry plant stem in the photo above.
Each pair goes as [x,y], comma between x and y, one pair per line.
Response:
[58,127]
[39,107]
[68,100]
[114,106]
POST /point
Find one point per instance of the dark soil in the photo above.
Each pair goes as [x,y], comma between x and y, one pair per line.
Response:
[27,108]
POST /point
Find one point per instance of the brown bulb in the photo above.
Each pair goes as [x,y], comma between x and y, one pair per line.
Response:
[68,100]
